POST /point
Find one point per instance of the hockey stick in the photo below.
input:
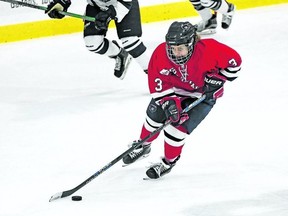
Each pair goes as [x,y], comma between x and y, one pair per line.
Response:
[110,164]
[92,19]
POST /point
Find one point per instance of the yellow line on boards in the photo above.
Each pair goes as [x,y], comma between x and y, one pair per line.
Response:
[153,13]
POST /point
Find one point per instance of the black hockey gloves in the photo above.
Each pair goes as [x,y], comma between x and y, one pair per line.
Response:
[213,87]
[172,108]
[55,6]
[103,18]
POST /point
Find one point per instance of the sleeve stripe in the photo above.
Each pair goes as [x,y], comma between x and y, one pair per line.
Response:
[233,69]
[231,72]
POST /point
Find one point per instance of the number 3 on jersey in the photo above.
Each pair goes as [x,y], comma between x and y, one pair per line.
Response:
[159,86]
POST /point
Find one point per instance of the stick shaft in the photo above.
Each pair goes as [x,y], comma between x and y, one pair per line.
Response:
[110,164]
[92,19]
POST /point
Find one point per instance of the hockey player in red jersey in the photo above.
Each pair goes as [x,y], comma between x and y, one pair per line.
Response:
[180,71]
[126,15]
[208,10]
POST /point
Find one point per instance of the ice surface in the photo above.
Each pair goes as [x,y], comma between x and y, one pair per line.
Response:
[63,116]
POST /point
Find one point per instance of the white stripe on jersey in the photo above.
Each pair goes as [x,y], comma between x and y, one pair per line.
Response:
[231,72]
[159,95]
[175,91]
[182,92]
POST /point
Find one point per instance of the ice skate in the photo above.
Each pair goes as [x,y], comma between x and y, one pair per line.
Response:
[208,26]
[227,18]
[160,169]
[140,152]
[123,60]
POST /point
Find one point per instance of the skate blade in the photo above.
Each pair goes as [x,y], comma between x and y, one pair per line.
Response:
[147,179]
[152,179]
[141,158]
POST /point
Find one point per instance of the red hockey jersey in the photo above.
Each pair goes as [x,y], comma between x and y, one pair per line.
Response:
[209,56]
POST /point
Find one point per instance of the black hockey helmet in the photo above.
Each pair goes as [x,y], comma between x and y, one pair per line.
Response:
[180,33]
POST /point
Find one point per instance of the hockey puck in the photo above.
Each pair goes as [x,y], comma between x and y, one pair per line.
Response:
[76,198]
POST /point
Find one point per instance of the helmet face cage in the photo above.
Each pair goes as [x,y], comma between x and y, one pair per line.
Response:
[180,33]
[179,59]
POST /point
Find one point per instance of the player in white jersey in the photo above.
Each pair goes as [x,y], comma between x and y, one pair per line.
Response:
[208,10]
[126,15]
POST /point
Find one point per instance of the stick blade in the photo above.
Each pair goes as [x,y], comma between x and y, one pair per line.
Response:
[56,196]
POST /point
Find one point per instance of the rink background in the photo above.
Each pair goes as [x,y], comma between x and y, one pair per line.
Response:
[63,116]
[22,23]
